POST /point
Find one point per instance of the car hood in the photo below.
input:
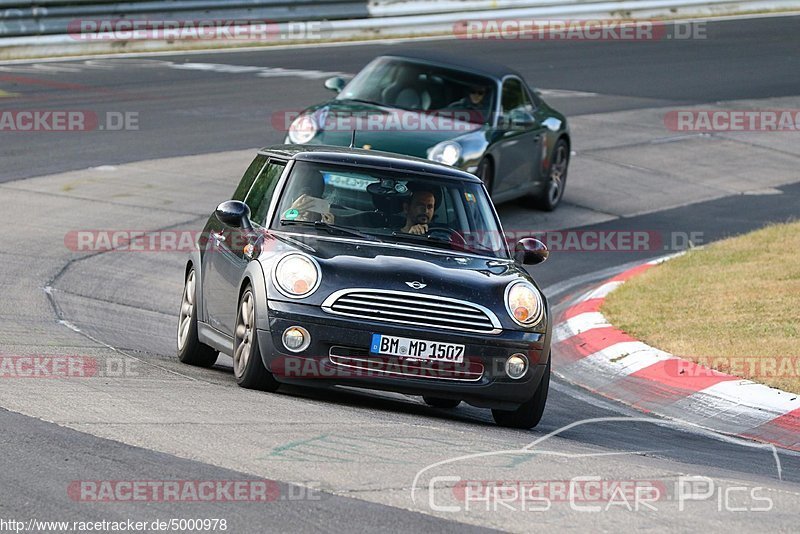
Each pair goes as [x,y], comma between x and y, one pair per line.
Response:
[353,264]
[386,129]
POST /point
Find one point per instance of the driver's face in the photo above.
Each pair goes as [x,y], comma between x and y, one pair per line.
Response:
[476,95]
[420,209]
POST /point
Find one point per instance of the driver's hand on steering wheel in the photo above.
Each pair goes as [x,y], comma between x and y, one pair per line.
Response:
[417,229]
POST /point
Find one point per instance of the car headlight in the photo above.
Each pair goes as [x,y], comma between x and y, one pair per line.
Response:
[296,275]
[447,152]
[524,303]
[303,129]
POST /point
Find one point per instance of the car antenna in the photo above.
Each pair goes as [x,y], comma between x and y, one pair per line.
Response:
[353,140]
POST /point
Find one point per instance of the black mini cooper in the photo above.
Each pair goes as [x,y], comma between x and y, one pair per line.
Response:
[337,266]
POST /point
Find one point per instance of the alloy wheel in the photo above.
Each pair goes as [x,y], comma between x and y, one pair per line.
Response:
[245,330]
[187,311]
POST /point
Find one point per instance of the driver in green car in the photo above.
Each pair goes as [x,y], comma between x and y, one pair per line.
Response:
[475,101]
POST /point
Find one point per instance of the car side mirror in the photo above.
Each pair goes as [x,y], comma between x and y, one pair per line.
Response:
[530,251]
[521,120]
[336,84]
[234,213]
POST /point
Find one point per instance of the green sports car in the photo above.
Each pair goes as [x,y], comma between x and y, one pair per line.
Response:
[482,118]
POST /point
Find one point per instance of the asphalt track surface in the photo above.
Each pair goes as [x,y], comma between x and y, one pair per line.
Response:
[195,112]
[189,111]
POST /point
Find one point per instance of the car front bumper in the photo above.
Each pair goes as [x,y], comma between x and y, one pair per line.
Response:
[339,355]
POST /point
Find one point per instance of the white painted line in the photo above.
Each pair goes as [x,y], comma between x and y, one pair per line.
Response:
[603,291]
[236,50]
[569,387]
[737,405]
[625,358]
[756,395]
[668,257]
[259,71]
[578,324]
[566,93]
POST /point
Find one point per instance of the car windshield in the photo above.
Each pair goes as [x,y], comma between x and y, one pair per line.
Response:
[389,206]
[414,86]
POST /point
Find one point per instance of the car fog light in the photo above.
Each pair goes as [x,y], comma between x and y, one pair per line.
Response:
[516,366]
[296,339]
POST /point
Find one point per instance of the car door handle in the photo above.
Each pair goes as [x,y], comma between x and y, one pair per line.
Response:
[218,237]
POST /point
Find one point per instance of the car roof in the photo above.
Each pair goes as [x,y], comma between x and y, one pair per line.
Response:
[371,158]
[461,62]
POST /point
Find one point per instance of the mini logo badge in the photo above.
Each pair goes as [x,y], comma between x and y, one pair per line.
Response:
[416,285]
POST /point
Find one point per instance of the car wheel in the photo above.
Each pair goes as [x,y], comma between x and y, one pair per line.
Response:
[551,197]
[438,402]
[530,412]
[486,173]
[248,368]
[190,350]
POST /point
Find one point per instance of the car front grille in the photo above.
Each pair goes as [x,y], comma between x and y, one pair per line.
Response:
[415,309]
[363,364]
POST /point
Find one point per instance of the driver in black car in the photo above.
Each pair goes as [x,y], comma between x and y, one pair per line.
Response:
[419,211]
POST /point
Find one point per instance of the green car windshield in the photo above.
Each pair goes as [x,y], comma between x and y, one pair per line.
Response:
[382,205]
[415,86]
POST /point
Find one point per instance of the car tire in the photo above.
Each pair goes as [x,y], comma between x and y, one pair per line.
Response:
[553,192]
[530,412]
[486,173]
[190,350]
[248,367]
[438,402]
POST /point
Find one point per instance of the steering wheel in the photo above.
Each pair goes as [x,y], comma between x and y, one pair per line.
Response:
[450,235]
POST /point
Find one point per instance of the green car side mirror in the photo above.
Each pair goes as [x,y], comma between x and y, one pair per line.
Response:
[519,119]
[335,84]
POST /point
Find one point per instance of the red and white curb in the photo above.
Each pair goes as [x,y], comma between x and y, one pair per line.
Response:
[592,353]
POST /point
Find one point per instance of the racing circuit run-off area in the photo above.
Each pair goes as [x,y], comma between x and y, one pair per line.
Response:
[399,266]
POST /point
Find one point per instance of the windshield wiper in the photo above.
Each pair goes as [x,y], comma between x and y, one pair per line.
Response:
[382,105]
[449,245]
[423,238]
[331,228]
[358,100]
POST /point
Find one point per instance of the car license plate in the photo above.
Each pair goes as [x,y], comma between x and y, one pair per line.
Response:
[416,348]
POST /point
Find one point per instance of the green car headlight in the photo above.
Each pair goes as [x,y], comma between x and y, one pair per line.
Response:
[447,152]
[303,129]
